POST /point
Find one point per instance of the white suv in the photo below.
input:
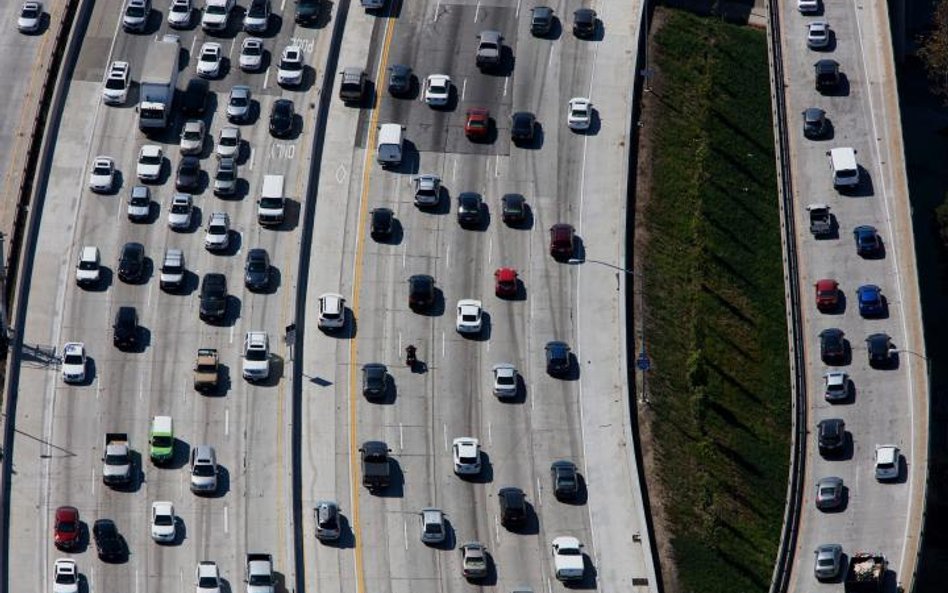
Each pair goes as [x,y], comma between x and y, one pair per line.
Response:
[467,456]
[135,15]
[256,363]
[88,269]
[332,311]
[290,71]
[215,14]
[116,83]
[217,237]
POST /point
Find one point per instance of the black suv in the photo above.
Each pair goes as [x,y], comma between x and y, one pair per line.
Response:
[565,479]
[832,346]
[513,507]
[827,75]
[195,97]
[541,20]
[213,297]
[125,328]
[584,22]
[307,11]
[374,380]
[557,358]
[831,434]
[131,266]
[420,291]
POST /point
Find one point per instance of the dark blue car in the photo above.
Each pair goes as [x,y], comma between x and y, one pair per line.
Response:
[870,300]
[868,243]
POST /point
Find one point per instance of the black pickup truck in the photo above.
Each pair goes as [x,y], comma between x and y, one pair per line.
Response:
[376,470]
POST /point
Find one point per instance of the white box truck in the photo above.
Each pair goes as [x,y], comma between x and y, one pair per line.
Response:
[157,86]
[272,203]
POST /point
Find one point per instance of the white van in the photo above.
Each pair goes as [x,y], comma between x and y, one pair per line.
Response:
[845,170]
[272,202]
[389,147]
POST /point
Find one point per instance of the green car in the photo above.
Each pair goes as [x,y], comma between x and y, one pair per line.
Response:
[161,439]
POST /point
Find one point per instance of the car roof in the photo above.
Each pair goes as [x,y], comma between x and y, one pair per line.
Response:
[132,247]
[67,513]
[491,35]
[375,447]
[374,369]
[89,252]
[557,345]
[432,515]
[506,274]
[826,283]
[469,303]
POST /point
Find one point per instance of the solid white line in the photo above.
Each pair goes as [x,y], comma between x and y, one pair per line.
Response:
[445,431]
[404,256]
[517,13]
[549,587]
[98,386]
[496,529]
[94,478]
[232,331]
[490,436]
[437,12]
[443,344]
[282,5]
[226,421]
[497,165]
[137,586]
[225,518]
[549,60]
[447,257]
[405,532]
[454,170]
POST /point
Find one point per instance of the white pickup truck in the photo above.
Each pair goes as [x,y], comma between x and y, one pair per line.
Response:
[568,558]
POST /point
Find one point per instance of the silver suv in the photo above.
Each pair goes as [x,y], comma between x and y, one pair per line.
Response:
[203,469]
[488,49]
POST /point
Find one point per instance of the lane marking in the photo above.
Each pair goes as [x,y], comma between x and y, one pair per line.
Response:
[225,519]
[226,421]
[463,88]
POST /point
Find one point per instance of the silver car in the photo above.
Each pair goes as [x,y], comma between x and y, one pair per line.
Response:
[433,529]
[228,142]
[203,469]
[326,516]
[829,493]
[251,54]
[828,562]
[179,212]
[238,105]
[427,190]
[505,380]
[225,179]
[192,137]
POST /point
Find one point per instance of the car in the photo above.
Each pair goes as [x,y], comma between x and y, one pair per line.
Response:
[584,23]
[179,212]
[477,124]
[307,11]
[352,85]
[131,266]
[256,361]
[827,294]
[832,346]
[139,204]
[251,54]
[541,20]
[257,269]
[831,435]
[817,35]
[427,190]
[195,98]
[213,300]
[827,75]
[513,507]
[179,14]
[828,561]
[282,115]
[871,303]
[257,17]
[467,456]
[513,208]
[65,576]
[887,462]
[421,291]
[188,176]
[382,223]
[203,469]
[399,80]
[522,125]
[437,90]
[290,70]
[209,60]
[150,160]
[505,380]
[332,311]
[88,268]
[829,493]
[207,578]
[102,174]
[238,104]
[116,83]
[815,124]
[868,243]
[163,522]
[135,15]
[562,237]
[835,386]
[217,236]
[225,178]
[192,137]
[216,14]
[172,272]
[880,350]
[579,113]
[326,518]
[473,560]
[73,365]
[565,479]
[557,358]
[470,206]
[568,558]
[228,142]
[30,18]
[489,49]
[506,284]
[433,528]
[125,328]
[66,528]
[374,380]
[808,6]
[469,316]
[109,545]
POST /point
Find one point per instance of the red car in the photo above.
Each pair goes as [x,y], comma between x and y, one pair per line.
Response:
[477,125]
[827,294]
[506,282]
[66,528]
[561,241]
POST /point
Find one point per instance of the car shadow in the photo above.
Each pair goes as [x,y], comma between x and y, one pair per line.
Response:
[490,578]
[842,88]
[485,476]
[484,334]
[863,189]
[347,537]
[590,574]
[580,497]
[396,483]
[181,453]
[223,483]
[180,532]
[531,523]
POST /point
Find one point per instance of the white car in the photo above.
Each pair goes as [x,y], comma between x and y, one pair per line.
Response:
[217,237]
[568,558]
[102,174]
[65,576]
[505,380]
[139,204]
[171,275]
[179,212]
[887,462]
[150,159]
[256,362]
[228,142]
[179,14]
[216,13]
[116,83]
[437,90]
[808,6]
[579,114]
[209,60]
[31,17]
[467,456]
[163,522]
[135,15]
[207,578]
[74,362]
[290,70]
[332,311]
[88,268]
[836,386]
[192,137]
[427,190]
[817,34]
[251,54]
[469,316]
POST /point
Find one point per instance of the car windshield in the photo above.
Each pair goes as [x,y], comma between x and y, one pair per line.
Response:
[569,552]
[65,578]
[180,7]
[150,159]
[163,520]
[115,83]
[827,490]
[225,174]
[257,10]
[290,64]
[825,562]
[257,354]
[252,49]
[203,470]
[115,460]
[66,527]
[468,459]
[100,170]
[179,208]
[207,582]
[135,11]
[162,441]
[209,55]
[504,379]
[228,141]
[215,9]
[139,201]
[193,134]
[469,317]
[271,202]
[432,528]
[438,87]
[239,100]
[256,266]
[259,580]
[30,13]
[217,229]
[88,265]
[171,269]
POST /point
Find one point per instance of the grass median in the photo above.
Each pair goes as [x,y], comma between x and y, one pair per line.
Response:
[708,240]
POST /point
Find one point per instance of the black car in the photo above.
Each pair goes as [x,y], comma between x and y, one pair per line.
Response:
[832,346]
[880,350]
[514,208]
[195,97]
[831,435]
[307,11]
[420,291]
[541,20]
[213,297]
[815,124]
[513,507]
[374,380]
[257,269]
[557,358]
[470,205]
[188,175]
[565,479]
[584,22]
[125,328]
[827,75]
[131,266]
[521,126]
[382,223]
[282,114]
[108,543]
[399,80]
